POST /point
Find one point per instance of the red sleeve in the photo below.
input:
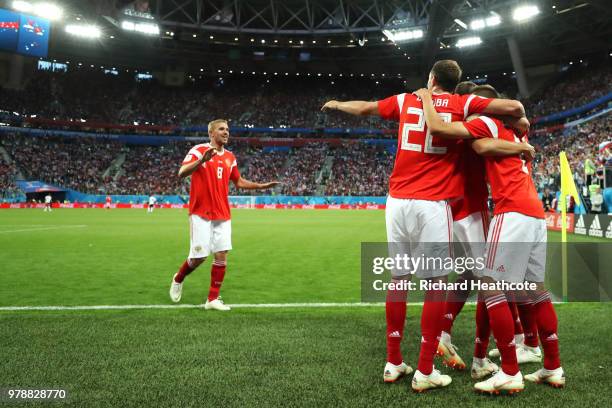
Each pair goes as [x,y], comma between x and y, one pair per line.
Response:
[195,154]
[389,108]
[474,104]
[483,126]
[234,172]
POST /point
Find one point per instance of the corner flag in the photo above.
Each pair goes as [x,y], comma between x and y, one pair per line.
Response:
[568,187]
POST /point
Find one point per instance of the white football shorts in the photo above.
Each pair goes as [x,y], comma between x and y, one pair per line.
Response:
[208,237]
[516,248]
[419,228]
[471,234]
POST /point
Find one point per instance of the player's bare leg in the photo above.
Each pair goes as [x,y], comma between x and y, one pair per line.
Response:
[395,311]
[217,273]
[546,318]
[509,379]
[176,287]
[427,377]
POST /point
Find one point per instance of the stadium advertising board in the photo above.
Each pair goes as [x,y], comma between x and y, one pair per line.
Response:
[593,225]
[553,221]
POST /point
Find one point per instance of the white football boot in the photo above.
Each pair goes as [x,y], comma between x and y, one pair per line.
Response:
[482,367]
[176,290]
[449,355]
[555,378]
[526,354]
[216,304]
[394,372]
[501,383]
[422,382]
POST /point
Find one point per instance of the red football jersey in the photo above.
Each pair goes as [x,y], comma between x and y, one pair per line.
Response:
[108,199]
[475,192]
[426,167]
[510,177]
[208,195]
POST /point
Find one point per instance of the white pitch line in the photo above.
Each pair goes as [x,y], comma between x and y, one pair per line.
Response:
[43,229]
[186,306]
[192,306]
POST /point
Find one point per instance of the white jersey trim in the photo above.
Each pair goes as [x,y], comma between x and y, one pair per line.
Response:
[491,125]
[466,108]
[400,102]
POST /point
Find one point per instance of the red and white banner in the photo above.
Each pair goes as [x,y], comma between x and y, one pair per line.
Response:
[553,221]
[241,206]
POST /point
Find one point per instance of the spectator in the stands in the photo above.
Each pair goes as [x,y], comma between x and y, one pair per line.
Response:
[597,200]
[547,200]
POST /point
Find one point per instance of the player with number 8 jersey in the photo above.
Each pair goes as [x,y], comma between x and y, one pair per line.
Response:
[211,167]
[209,190]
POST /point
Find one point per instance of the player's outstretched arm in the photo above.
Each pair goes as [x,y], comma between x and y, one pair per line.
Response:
[251,185]
[435,124]
[498,147]
[358,108]
[187,170]
[505,107]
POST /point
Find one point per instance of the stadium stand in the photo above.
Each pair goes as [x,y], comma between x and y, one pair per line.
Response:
[345,168]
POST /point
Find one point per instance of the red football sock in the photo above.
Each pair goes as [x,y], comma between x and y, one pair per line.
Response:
[483,330]
[431,327]
[529,323]
[455,300]
[518,328]
[501,323]
[547,328]
[183,271]
[395,311]
[217,273]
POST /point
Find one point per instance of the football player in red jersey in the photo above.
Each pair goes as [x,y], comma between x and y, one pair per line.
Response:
[211,168]
[518,224]
[470,228]
[424,178]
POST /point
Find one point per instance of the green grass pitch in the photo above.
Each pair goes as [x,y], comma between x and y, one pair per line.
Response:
[269,356]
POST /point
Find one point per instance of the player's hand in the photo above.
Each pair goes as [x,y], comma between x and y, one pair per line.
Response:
[208,154]
[528,151]
[270,184]
[422,93]
[329,106]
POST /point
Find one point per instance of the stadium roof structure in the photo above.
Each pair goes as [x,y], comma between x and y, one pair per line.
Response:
[339,35]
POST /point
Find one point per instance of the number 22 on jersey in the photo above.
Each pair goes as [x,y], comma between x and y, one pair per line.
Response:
[420,127]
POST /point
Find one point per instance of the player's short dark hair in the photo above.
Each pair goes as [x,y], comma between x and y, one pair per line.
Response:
[447,74]
[465,87]
[486,91]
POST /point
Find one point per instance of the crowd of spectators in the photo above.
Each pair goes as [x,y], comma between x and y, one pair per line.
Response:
[354,168]
[579,87]
[303,170]
[580,143]
[351,168]
[8,188]
[245,102]
[75,163]
[360,169]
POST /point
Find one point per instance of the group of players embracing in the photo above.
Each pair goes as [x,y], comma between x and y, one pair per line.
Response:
[453,139]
